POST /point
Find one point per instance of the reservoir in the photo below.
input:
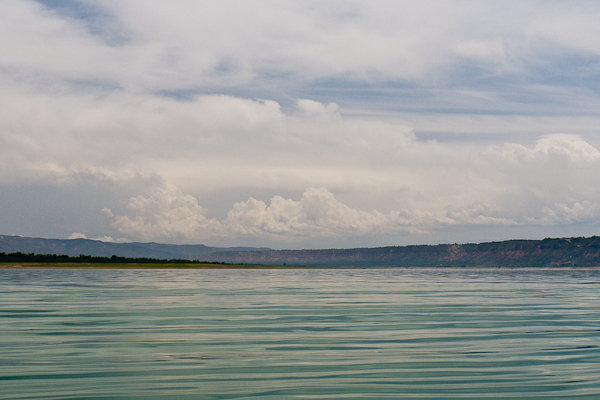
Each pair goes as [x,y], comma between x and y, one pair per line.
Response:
[299,334]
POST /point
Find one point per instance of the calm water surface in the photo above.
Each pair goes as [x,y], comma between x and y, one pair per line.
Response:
[299,334]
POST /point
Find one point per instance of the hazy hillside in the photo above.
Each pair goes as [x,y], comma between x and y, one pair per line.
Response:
[75,247]
[565,252]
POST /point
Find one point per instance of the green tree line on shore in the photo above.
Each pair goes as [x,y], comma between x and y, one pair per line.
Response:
[19,257]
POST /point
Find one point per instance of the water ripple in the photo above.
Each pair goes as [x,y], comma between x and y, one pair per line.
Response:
[299,334]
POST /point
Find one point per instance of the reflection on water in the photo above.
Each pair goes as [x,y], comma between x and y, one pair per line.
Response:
[298,334]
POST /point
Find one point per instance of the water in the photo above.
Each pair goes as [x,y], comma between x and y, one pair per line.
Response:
[299,334]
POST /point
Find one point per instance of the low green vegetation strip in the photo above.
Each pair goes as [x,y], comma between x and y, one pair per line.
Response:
[136,266]
[31,260]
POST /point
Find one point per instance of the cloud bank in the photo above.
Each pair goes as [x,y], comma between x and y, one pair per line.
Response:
[168,213]
[174,152]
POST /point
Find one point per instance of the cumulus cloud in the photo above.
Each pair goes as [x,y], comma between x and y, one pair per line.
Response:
[570,147]
[563,214]
[317,213]
[168,213]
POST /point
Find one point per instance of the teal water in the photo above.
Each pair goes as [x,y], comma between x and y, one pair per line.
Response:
[299,334]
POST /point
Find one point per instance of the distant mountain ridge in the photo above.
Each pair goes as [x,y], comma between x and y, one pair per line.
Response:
[562,252]
[96,248]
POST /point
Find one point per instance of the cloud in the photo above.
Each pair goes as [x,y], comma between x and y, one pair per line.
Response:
[138,134]
[168,213]
[45,48]
[108,239]
[163,155]
[563,214]
[269,46]
[570,147]
[317,213]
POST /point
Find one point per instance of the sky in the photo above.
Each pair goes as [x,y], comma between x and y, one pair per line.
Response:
[299,124]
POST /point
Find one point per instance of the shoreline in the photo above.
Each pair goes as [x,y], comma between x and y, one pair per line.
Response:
[144,266]
[264,266]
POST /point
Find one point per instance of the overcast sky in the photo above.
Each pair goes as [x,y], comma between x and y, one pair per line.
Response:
[299,124]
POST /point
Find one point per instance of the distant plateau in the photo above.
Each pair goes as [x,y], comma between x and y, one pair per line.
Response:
[579,252]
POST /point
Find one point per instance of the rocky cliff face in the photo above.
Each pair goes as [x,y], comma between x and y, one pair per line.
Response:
[576,252]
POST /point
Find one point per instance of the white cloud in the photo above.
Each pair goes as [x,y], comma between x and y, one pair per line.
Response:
[392,183]
[110,239]
[190,44]
[317,213]
[570,147]
[127,134]
[562,214]
[168,213]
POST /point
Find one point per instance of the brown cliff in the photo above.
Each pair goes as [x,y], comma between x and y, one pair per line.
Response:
[567,252]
